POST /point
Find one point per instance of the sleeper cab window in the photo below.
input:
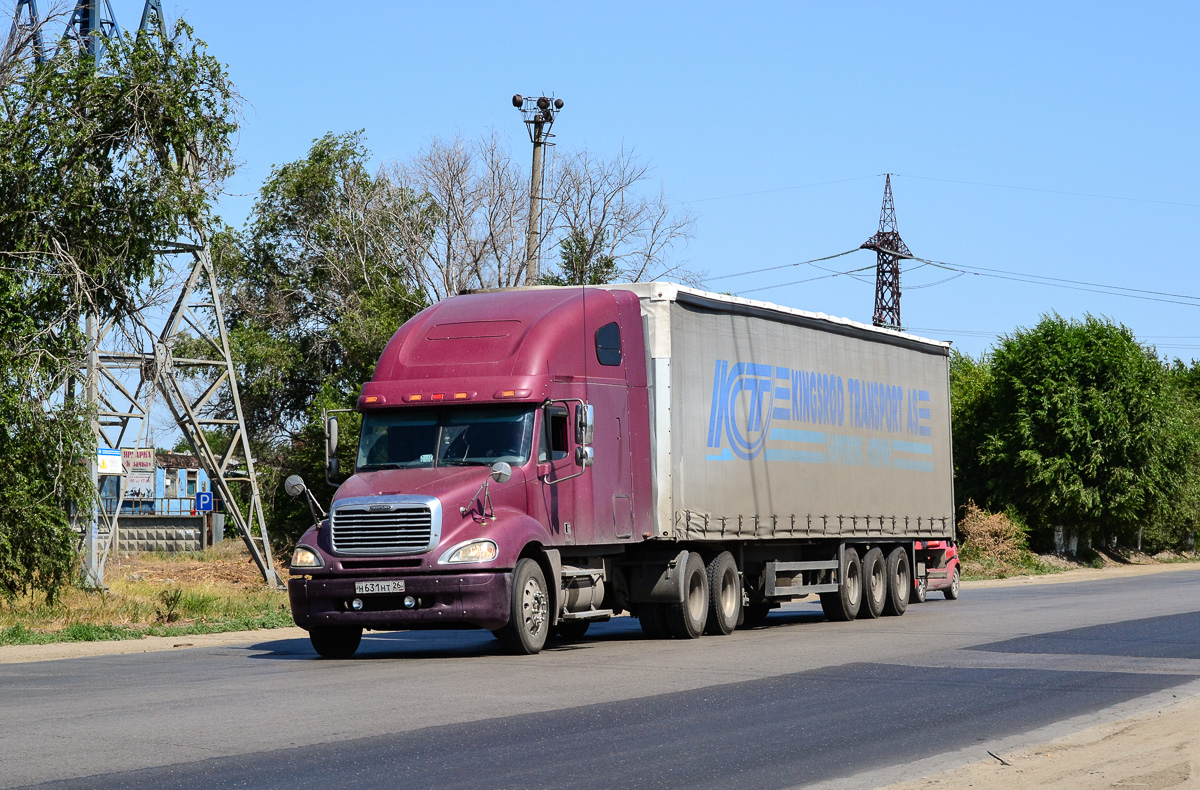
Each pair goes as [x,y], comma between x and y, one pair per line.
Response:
[608,344]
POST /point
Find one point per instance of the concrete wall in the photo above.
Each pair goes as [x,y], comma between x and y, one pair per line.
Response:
[160,533]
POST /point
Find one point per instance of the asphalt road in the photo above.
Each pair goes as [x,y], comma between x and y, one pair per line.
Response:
[799,702]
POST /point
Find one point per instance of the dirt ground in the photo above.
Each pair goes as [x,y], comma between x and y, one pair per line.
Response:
[228,563]
[1154,751]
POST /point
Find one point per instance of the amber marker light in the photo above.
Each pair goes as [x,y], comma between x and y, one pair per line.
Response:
[460,396]
[414,397]
[371,399]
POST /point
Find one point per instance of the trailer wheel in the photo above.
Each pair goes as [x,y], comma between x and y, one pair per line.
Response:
[686,620]
[724,595]
[919,591]
[529,611]
[844,604]
[899,584]
[875,584]
[951,592]
[335,641]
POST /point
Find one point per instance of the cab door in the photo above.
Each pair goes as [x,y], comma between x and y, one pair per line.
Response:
[558,474]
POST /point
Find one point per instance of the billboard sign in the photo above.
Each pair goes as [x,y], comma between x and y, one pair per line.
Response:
[138,459]
[139,486]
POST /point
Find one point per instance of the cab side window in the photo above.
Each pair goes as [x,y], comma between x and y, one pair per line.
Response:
[554,435]
[608,344]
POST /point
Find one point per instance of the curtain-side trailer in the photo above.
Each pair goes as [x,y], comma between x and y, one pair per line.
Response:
[536,459]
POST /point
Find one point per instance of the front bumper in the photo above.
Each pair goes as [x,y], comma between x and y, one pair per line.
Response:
[444,600]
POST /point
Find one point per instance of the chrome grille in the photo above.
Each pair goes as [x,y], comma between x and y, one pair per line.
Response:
[380,526]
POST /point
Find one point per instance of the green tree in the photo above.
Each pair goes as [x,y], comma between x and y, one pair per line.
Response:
[1075,424]
[583,261]
[315,286]
[99,163]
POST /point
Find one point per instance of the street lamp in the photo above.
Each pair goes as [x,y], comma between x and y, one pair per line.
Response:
[539,114]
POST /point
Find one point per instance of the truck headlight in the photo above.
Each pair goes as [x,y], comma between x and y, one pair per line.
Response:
[473,551]
[304,557]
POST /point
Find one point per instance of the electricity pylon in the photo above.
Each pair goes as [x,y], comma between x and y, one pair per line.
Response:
[890,249]
[122,352]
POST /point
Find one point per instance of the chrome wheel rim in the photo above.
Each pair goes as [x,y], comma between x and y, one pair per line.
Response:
[533,607]
[696,596]
[729,592]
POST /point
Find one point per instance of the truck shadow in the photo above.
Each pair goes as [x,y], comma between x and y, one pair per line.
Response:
[481,644]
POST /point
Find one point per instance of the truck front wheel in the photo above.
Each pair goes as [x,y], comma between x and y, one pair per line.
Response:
[844,604]
[529,612]
[951,592]
[686,620]
[335,641]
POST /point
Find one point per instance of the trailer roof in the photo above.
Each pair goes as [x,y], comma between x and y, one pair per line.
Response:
[673,292]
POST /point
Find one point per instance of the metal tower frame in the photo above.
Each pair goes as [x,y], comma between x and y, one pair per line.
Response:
[117,352]
[890,249]
[27,23]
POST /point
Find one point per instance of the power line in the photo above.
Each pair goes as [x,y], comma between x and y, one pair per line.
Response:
[809,280]
[783,266]
[1052,191]
[780,189]
[1068,284]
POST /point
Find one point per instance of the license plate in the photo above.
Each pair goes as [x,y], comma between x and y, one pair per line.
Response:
[366,588]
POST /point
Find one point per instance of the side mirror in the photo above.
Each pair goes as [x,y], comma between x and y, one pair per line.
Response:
[501,472]
[331,437]
[585,424]
[584,456]
[294,486]
[331,447]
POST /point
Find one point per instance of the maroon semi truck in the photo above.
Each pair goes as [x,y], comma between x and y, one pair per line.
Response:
[532,460]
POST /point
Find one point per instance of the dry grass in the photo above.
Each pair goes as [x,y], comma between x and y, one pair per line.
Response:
[219,589]
[994,546]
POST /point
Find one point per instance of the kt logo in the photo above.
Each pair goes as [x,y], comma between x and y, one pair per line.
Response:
[743,396]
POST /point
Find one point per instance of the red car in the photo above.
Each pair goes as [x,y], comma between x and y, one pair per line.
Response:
[937,569]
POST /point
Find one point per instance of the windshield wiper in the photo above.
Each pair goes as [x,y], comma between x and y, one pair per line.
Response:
[372,467]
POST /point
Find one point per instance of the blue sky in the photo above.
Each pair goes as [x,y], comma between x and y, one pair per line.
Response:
[804,105]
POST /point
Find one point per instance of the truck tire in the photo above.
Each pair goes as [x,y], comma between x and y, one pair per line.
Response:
[529,611]
[335,641]
[920,589]
[754,614]
[686,620]
[652,618]
[724,595]
[875,584]
[900,582]
[571,629]
[951,592]
[844,604]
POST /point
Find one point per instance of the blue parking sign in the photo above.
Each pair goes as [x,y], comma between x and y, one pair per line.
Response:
[204,501]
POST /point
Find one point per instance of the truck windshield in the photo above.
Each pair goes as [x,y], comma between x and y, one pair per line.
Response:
[454,436]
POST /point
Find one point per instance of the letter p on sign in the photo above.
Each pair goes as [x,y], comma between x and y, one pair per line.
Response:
[204,501]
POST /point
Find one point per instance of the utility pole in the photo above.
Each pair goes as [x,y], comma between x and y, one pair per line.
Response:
[539,117]
[890,249]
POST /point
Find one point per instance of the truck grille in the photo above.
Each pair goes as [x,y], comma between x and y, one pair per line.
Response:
[369,525]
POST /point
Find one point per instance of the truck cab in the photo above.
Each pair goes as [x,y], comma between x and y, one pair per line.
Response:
[502,436]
